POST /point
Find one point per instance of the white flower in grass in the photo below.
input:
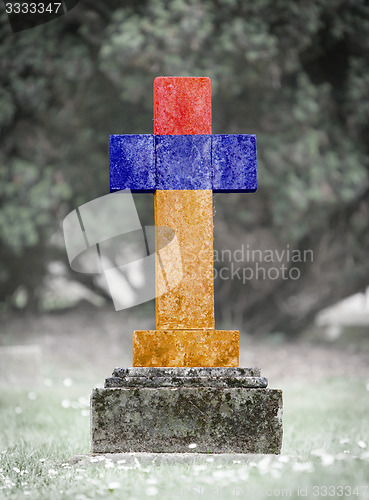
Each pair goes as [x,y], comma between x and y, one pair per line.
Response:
[264,464]
[109,465]
[318,453]
[327,460]
[114,485]
[277,465]
[303,467]
[243,474]
[218,473]
[85,413]
[8,483]
[94,459]
[361,444]
[276,474]
[83,401]
[18,410]
[42,460]
[15,469]
[67,382]
[26,492]
[199,467]
[152,480]
[341,456]
[65,403]
[52,472]
[121,461]
[210,459]
[152,491]
[192,446]
[344,440]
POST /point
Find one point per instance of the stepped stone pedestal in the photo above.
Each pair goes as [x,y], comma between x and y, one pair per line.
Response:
[165,410]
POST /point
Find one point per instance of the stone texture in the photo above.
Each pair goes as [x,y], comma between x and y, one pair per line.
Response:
[183,376]
[234,163]
[198,371]
[132,162]
[190,214]
[182,105]
[183,162]
[168,420]
[250,382]
[217,348]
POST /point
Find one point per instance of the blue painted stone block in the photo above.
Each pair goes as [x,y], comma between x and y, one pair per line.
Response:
[132,162]
[234,163]
[183,162]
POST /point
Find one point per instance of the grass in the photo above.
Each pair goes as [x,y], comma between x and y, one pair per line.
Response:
[325,451]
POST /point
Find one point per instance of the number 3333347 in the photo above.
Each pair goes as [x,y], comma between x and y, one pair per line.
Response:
[32,8]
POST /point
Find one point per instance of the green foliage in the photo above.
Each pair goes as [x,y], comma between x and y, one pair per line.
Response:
[31,199]
[294,73]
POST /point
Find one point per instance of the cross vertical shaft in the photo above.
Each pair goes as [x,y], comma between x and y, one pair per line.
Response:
[185,332]
[182,106]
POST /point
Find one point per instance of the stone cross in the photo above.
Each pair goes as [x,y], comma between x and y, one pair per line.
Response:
[183,163]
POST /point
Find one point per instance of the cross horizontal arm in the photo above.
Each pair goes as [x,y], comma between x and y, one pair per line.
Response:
[145,162]
[132,162]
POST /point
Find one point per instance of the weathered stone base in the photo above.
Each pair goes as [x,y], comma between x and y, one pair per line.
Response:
[168,419]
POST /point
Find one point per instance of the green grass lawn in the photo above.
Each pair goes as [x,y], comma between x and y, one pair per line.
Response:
[325,451]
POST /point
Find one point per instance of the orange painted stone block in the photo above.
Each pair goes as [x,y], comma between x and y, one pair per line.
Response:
[182,105]
[191,304]
[214,348]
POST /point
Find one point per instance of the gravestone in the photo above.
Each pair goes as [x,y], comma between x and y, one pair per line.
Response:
[185,391]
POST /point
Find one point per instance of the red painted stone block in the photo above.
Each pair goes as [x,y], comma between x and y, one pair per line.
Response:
[182,105]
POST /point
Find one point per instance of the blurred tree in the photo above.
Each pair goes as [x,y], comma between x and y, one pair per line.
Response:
[296,74]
